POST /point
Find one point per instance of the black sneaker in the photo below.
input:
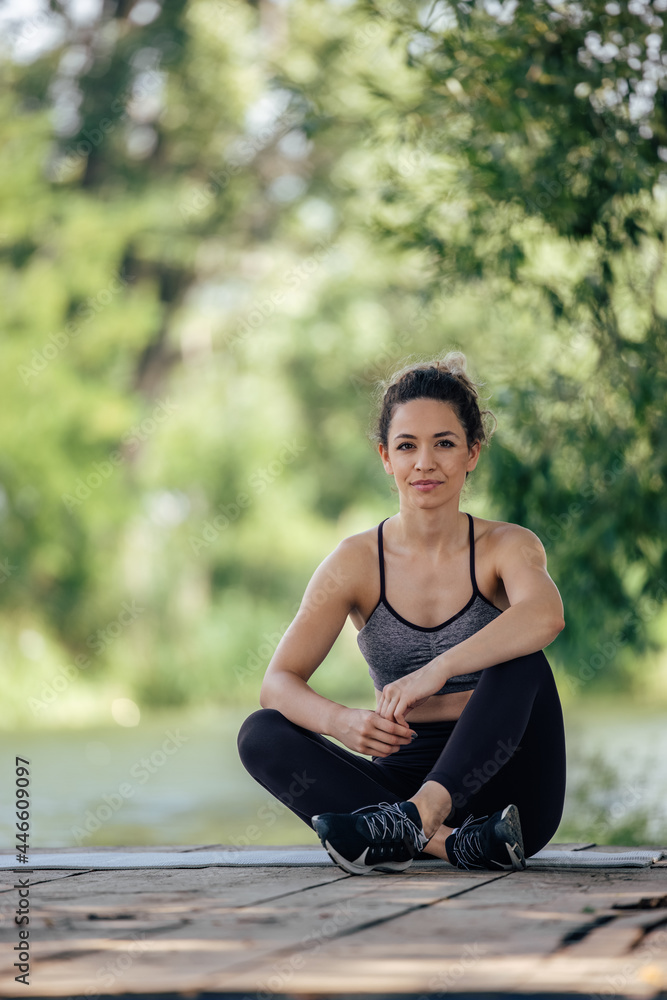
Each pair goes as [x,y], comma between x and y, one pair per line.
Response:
[383,838]
[488,843]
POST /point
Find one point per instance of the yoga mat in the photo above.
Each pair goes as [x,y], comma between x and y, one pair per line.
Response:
[291,857]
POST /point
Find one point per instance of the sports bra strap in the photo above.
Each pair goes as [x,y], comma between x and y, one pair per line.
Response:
[381,558]
[473,579]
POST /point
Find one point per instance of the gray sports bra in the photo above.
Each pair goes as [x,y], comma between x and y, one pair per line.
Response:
[394,647]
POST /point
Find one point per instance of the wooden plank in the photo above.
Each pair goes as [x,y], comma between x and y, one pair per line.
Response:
[622,933]
[166,887]
[317,929]
[101,849]
[36,878]
[496,938]
[180,943]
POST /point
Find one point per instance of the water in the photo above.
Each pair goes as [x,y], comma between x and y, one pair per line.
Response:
[174,779]
[177,779]
[617,774]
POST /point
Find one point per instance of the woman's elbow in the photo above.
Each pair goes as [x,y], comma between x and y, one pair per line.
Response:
[269,693]
[266,696]
[556,625]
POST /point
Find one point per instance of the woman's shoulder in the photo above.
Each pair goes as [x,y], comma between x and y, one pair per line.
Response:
[356,554]
[505,535]
[350,564]
[356,548]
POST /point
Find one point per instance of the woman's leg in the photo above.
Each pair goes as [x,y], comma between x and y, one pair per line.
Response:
[310,773]
[508,745]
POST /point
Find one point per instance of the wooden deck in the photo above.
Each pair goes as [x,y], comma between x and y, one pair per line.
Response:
[314,931]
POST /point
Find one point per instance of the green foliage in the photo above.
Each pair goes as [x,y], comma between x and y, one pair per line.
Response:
[604,809]
[225,226]
[525,156]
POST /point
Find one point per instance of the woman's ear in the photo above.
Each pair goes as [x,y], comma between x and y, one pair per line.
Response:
[473,456]
[384,455]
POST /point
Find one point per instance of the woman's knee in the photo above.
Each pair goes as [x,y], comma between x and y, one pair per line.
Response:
[533,662]
[258,732]
[530,672]
[540,832]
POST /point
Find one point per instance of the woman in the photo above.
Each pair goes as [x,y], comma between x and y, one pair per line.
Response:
[466,741]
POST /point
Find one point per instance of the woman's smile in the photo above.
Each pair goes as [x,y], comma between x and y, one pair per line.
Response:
[425,486]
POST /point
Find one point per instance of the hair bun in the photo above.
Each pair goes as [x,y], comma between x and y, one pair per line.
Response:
[454,363]
[444,378]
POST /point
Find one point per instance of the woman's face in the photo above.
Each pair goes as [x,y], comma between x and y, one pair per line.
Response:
[426,441]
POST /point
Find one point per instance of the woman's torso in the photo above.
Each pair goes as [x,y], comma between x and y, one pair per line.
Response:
[424,608]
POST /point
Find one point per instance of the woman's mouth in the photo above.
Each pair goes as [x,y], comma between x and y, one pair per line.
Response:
[424,487]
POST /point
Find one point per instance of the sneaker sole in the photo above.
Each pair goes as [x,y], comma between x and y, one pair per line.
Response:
[348,866]
[352,869]
[514,838]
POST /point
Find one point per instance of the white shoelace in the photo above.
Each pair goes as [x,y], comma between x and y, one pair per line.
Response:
[467,843]
[391,820]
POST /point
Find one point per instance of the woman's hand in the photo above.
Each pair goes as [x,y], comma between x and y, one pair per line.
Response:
[407,692]
[367,732]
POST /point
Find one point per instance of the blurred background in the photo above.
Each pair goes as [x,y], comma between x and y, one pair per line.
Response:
[221,223]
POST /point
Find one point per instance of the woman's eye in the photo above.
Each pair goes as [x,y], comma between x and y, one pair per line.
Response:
[450,444]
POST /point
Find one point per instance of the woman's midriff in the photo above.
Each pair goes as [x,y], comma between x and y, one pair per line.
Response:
[438,707]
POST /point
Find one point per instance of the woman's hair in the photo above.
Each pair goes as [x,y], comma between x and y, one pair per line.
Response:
[443,378]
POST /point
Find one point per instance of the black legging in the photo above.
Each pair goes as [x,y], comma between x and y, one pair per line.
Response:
[508,745]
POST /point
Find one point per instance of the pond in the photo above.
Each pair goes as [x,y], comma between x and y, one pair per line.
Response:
[176,779]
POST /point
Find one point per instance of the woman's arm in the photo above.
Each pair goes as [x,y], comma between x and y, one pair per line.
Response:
[533,620]
[535,615]
[327,601]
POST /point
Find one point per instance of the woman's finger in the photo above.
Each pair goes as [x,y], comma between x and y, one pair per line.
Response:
[398,710]
[382,749]
[395,704]
[389,726]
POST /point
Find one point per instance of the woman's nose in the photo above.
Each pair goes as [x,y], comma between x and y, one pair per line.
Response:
[424,460]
